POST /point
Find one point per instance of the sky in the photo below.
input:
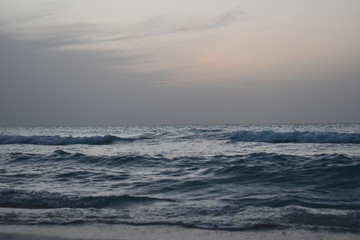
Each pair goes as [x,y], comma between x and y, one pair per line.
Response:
[117,62]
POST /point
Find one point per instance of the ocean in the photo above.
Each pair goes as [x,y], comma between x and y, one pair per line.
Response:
[222,177]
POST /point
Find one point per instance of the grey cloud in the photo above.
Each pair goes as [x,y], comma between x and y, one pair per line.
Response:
[56,35]
[70,34]
[223,19]
[41,87]
[23,19]
[60,87]
[38,12]
[160,26]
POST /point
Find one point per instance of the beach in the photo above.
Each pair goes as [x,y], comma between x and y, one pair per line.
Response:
[129,232]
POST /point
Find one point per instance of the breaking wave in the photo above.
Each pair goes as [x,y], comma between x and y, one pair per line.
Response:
[58,140]
[295,137]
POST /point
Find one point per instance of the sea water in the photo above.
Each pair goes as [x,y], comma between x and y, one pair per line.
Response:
[230,177]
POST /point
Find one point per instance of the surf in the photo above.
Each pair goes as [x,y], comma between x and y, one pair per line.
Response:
[295,137]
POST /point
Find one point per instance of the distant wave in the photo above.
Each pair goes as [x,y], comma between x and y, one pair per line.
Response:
[296,137]
[11,198]
[58,140]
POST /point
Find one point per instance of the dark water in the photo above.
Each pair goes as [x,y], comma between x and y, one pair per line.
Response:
[231,177]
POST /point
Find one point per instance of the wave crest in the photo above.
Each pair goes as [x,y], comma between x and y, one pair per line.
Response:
[295,137]
[10,198]
[58,140]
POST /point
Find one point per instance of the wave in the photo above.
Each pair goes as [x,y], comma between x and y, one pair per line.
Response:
[227,217]
[58,140]
[10,198]
[135,160]
[296,137]
[333,220]
[214,134]
[244,167]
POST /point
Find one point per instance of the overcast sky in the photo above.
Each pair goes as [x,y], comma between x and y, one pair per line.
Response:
[113,62]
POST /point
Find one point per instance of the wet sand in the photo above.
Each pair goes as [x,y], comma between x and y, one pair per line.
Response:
[128,232]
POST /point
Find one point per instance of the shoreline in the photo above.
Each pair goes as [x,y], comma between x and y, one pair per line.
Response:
[158,232]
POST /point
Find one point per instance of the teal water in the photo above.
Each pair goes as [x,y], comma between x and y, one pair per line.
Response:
[230,177]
